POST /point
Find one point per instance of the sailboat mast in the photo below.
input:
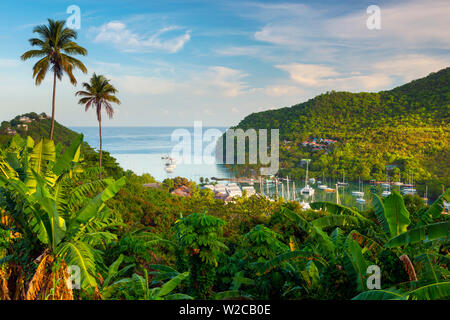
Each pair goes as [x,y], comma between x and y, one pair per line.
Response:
[293,188]
[288,193]
[337,195]
[306,177]
[276,187]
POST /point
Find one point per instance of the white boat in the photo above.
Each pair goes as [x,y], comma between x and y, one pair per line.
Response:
[385,193]
[385,185]
[410,191]
[322,186]
[358,194]
[361,200]
[343,183]
[169,169]
[307,190]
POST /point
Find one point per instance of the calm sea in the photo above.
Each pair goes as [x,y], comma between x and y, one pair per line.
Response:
[140,149]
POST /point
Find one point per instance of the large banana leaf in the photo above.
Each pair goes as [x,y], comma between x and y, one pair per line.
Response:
[338,237]
[94,206]
[379,209]
[63,162]
[284,257]
[429,266]
[40,158]
[169,286]
[387,294]
[336,220]
[428,232]
[337,209]
[355,265]
[294,217]
[433,291]
[435,210]
[367,244]
[56,226]
[6,170]
[326,244]
[78,253]
[396,214]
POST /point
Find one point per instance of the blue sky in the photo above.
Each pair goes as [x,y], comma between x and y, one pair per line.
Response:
[175,62]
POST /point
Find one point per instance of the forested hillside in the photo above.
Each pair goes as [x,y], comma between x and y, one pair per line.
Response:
[407,128]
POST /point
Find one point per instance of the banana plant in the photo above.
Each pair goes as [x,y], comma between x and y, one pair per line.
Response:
[137,288]
[35,200]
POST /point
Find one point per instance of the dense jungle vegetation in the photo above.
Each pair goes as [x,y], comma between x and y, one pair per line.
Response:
[130,242]
[407,127]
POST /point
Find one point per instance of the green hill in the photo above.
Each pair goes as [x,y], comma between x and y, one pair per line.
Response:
[38,126]
[406,128]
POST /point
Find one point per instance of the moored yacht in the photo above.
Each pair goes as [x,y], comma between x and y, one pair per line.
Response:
[307,190]
[342,183]
[358,193]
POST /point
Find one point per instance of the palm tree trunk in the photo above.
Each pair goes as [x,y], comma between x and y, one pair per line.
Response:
[53,105]
[100,134]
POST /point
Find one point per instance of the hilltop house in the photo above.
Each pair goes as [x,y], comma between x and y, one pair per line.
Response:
[43,116]
[23,126]
[10,131]
[318,144]
[25,119]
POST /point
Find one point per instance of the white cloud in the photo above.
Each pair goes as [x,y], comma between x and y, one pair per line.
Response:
[412,23]
[116,32]
[308,74]
[412,66]
[220,80]
[146,85]
[321,78]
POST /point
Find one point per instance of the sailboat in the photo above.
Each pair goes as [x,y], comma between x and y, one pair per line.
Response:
[358,193]
[343,183]
[323,186]
[410,187]
[425,198]
[387,192]
[307,190]
[293,190]
[170,165]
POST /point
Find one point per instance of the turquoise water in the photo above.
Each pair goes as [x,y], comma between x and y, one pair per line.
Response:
[140,149]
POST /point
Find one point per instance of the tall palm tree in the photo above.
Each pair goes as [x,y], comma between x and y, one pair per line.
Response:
[56,45]
[99,93]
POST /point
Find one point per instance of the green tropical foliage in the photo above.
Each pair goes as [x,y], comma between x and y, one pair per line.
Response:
[406,128]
